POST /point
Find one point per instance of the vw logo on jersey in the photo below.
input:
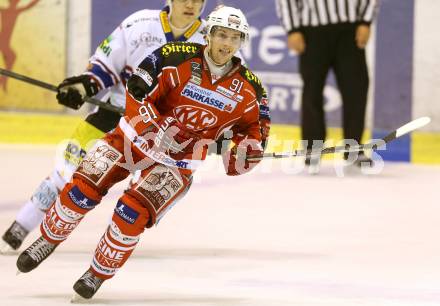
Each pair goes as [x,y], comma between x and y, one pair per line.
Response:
[208,97]
[194,117]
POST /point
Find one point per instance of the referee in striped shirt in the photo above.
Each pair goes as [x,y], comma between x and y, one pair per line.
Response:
[330,34]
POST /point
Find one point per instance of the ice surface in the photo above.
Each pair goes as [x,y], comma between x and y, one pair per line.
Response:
[266,238]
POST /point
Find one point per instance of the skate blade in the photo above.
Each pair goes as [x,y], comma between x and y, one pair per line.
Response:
[6,249]
[77,299]
[313,169]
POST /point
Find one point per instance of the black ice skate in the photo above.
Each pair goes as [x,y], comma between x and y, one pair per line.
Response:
[313,164]
[35,254]
[87,285]
[362,160]
[13,238]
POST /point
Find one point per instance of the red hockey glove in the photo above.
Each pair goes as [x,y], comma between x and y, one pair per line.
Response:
[236,160]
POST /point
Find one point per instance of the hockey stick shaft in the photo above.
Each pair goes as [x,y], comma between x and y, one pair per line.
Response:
[53,88]
[403,130]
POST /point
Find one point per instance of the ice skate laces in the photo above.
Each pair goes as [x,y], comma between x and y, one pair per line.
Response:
[91,280]
[40,249]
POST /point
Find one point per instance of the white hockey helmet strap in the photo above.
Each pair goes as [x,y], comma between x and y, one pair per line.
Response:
[228,17]
[168,3]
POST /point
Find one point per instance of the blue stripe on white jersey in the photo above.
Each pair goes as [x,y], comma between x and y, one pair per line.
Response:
[103,76]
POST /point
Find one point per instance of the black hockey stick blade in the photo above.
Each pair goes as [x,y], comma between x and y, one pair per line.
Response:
[53,88]
[403,130]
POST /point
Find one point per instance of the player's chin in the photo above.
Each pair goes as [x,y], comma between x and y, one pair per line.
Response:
[222,61]
[226,58]
[223,55]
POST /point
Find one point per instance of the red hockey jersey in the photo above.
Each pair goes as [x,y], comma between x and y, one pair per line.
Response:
[176,80]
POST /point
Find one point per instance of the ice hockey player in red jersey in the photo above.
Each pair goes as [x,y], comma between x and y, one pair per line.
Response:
[109,69]
[181,98]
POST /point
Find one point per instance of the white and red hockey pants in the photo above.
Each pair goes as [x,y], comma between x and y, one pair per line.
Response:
[141,206]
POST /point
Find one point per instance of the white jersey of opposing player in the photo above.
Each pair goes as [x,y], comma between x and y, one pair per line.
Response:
[137,36]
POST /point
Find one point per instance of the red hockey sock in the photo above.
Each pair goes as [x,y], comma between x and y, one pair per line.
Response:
[120,238]
[76,199]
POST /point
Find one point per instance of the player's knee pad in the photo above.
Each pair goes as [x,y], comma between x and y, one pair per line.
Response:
[80,196]
[100,167]
[75,200]
[159,188]
[120,238]
[130,215]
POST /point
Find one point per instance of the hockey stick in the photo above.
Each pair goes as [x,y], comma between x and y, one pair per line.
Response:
[403,130]
[51,87]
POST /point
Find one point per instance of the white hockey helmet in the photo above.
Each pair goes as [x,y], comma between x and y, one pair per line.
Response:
[228,17]
[168,2]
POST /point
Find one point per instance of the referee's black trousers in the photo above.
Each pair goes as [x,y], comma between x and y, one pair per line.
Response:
[333,46]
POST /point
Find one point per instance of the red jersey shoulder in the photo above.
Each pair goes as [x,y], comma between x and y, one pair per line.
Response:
[255,83]
[176,53]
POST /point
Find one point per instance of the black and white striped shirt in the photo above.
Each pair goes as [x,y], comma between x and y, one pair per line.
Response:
[295,14]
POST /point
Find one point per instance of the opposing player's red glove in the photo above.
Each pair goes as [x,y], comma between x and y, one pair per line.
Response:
[236,160]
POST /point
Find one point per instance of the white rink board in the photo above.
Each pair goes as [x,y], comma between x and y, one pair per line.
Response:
[261,239]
